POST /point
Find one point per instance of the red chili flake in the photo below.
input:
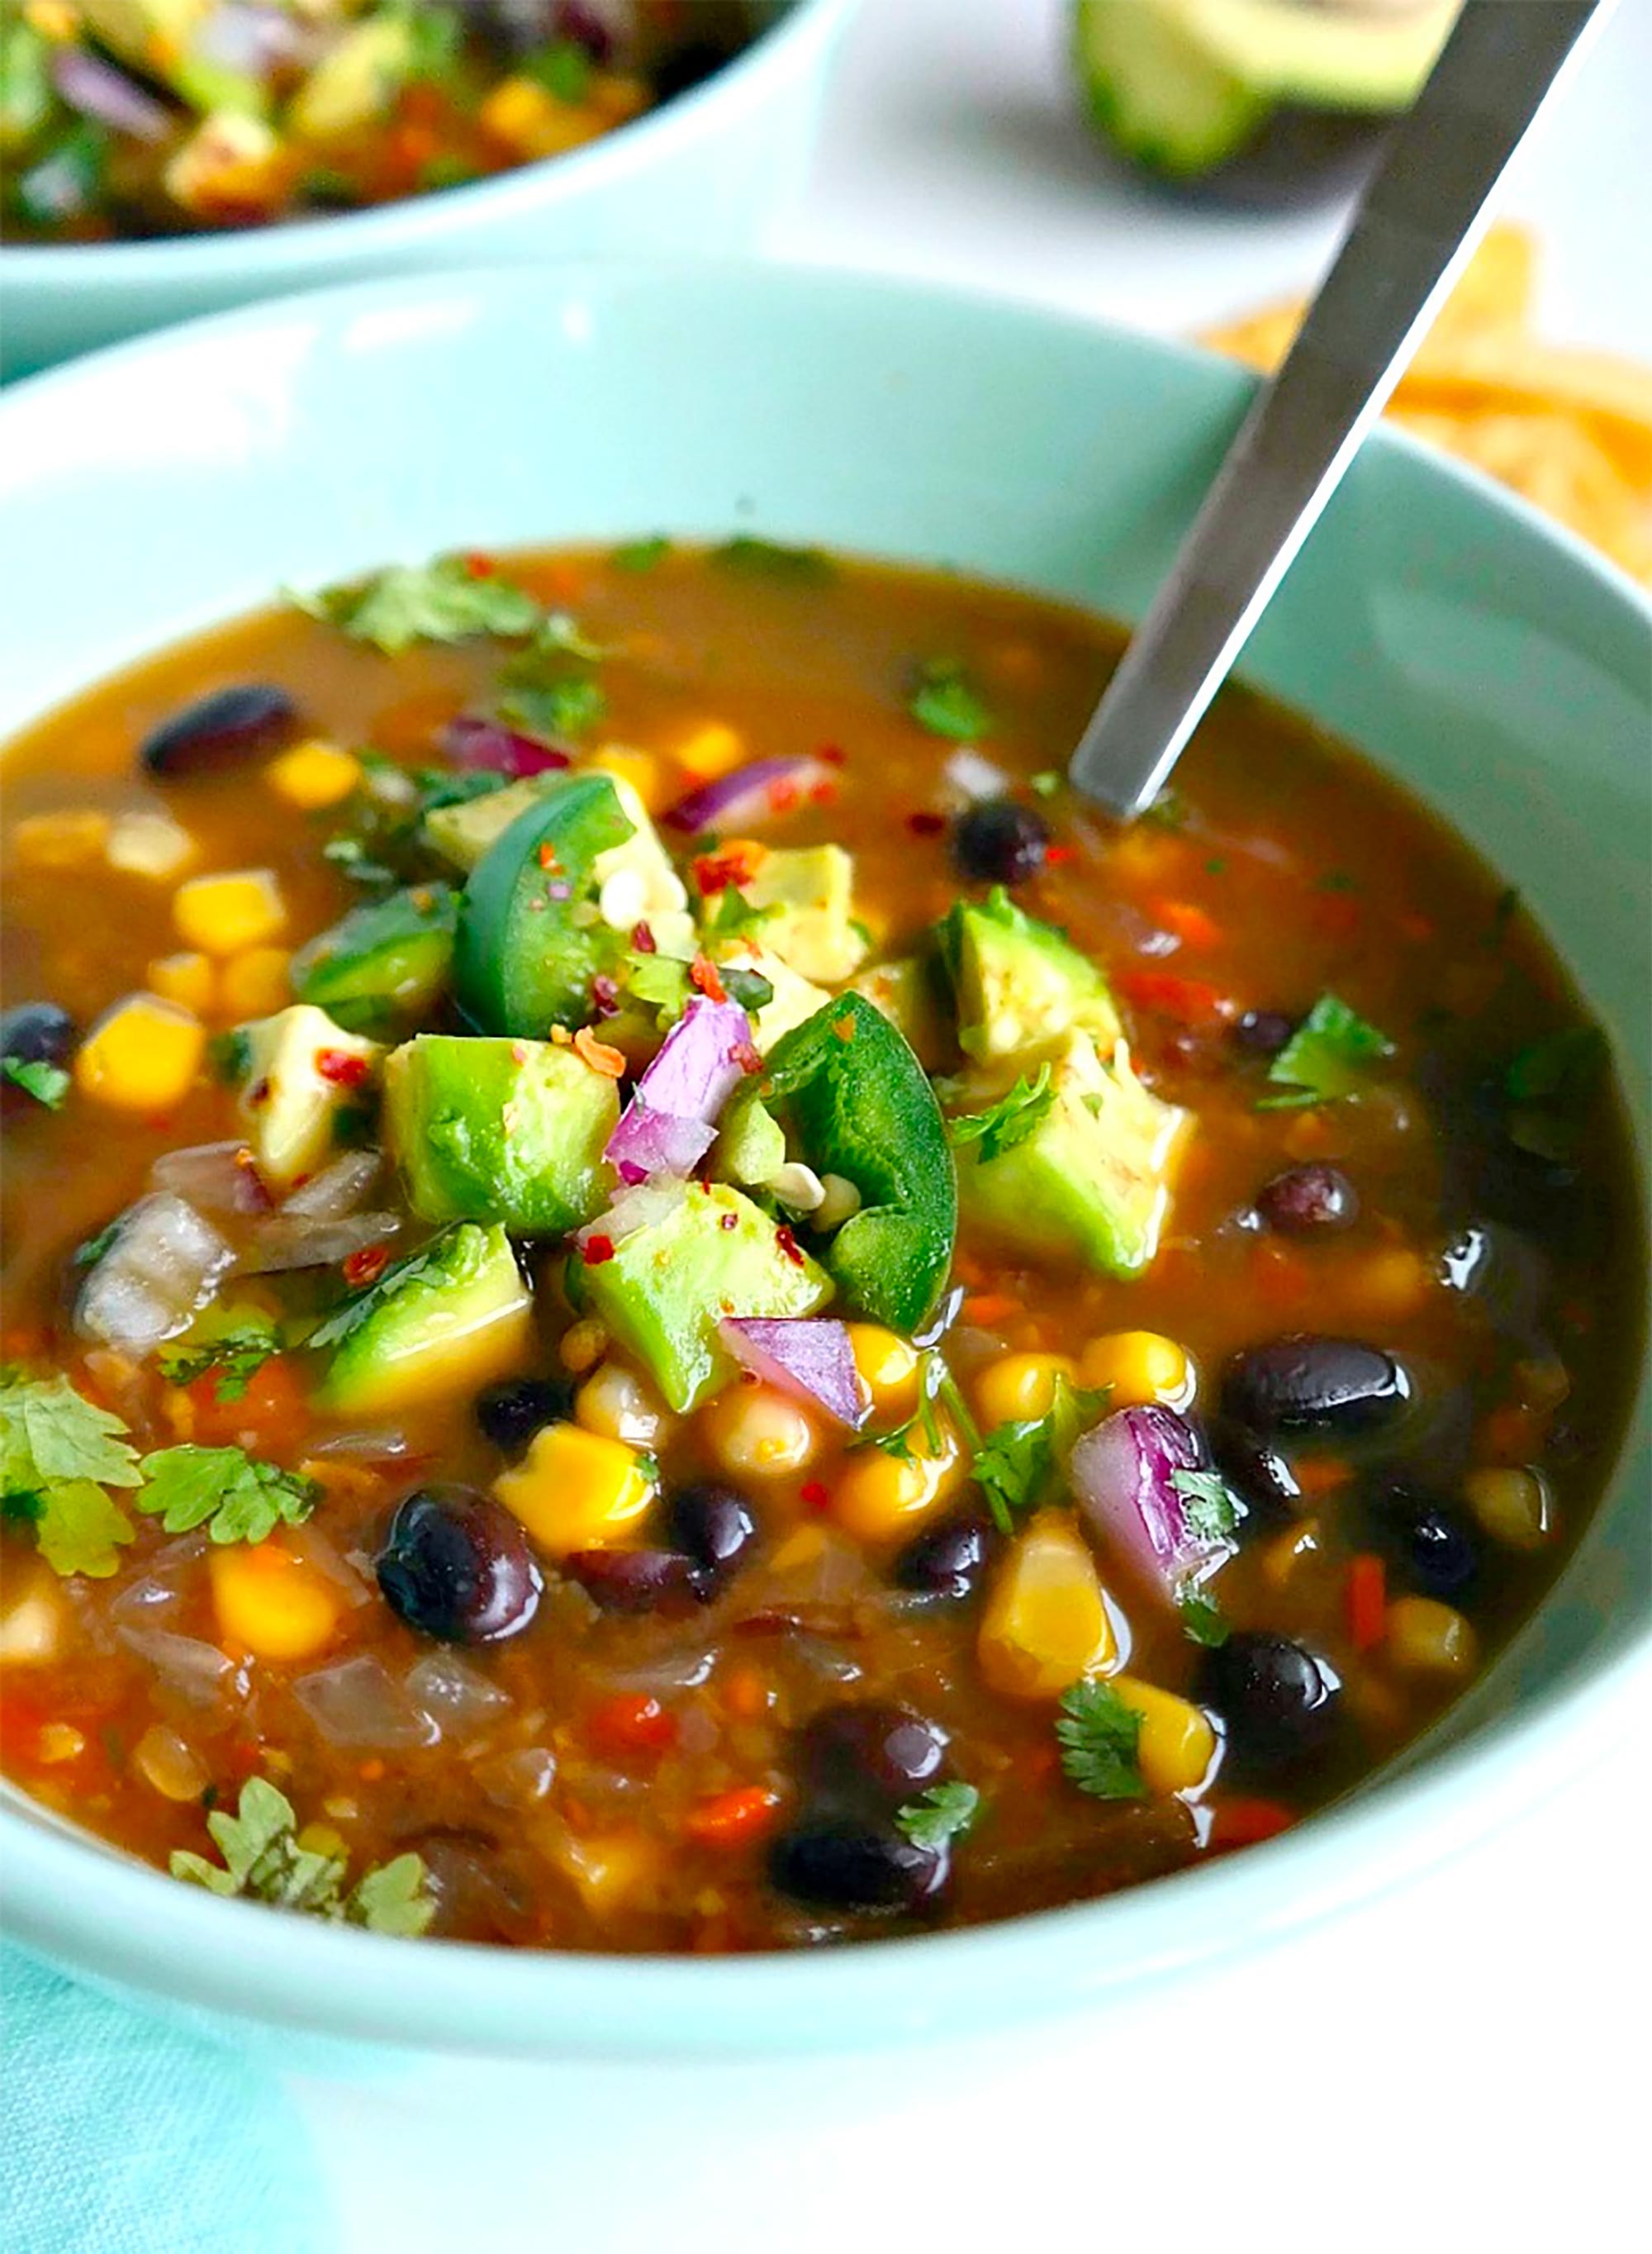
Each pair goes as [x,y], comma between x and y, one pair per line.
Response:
[714,872]
[926,825]
[604,995]
[729,1220]
[823,794]
[368,1265]
[1055,857]
[746,1057]
[702,973]
[258,1093]
[843,1028]
[789,1245]
[816,1494]
[547,856]
[833,754]
[595,1249]
[339,1067]
[480,566]
[643,940]
[518,1051]
[782,796]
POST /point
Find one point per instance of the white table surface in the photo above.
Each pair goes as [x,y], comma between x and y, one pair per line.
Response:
[1460,2065]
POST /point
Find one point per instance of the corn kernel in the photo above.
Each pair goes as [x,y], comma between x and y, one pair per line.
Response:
[614,1400]
[59,1741]
[67,840]
[224,914]
[888,1367]
[1019,1387]
[314,774]
[1387,1287]
[189,980]
[576,1490]
[1139,1368]
[142,1056]
[1177,1744]
[173,1768]
[640,769]
[270,1602]
[759,1432]
[148,844]
[711,750]
[1514,1504]
[1046,1624]
[255,983]
[612,1870]
[583,1344]
[533,122]
[881,1497]
[1425,1637]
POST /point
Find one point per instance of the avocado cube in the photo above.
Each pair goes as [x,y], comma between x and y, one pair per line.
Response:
[793,1000]
[502,1130]
[810,890]
[1020,985]
[356,82]
[449,1319]
[666,1285]
[305,1076]
[1091,1181]
[750,1145]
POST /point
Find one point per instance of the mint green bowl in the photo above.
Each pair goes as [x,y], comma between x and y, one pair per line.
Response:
[706,173]
[1484,656]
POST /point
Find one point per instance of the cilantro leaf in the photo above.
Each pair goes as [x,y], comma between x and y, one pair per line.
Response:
[391,1898]
[1017,1463]
[1203,1618]
[945,1811]
[734,917]
[460,1257]
[237,1351]
[435,36]
[1327,1056]
[563,68]
[47,1083]
[943,701]
[1009,1122]
[1207,1504]
[749,988]
[263,1861]
[77,1528]
[538,692]
[1098,1736]
[446,601]
[232,1495]
[771,559]
[49,1433]
[641,554]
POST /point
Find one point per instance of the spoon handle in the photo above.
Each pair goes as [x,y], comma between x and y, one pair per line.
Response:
[1415,229]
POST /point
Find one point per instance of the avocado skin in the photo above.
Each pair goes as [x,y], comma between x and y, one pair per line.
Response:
[383,965]
[449,1318]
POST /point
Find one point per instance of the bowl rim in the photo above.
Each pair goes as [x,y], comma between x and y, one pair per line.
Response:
[338,237]
[116,1919]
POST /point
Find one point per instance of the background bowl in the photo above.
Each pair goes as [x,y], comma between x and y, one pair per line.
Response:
[706,172]
[1486,659]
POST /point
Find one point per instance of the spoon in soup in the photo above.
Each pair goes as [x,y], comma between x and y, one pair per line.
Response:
[1416,226]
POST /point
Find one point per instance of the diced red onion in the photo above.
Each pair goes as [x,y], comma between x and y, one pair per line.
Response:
[338,1189]
[641,1206]
[162,1267]
[1124,1475]
[251,41]
[747,794]
[808,1356]
[668,1126]
[648,1142]
[357,1703]
[214,1176]
[457,1698]
[518,1779]
[680,1668]
[197,1671]
[288,1241]
[97,90]
[476,744]
[384,1443]
[308,1543]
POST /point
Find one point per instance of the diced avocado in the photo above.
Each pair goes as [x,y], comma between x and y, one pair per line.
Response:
[669,1283]
[751,1143]
[905,993]
[1091,1181]
[382,966]
[356,82]
[1020,983]
[811,890]
[793,1000]
[462,833]
[452,1318]
[137,30]
[230,157]
[501,1130]
[304,1075]
[26,96]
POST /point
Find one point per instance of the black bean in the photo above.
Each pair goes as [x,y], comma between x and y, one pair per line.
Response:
[947,1560]
[218,730]
[1258,1473]
[1433,1547]
[1000,841]
[1278,1700]
[457,1565]
[636,1581]
[510,1414]
[835,1862]
[1307,1384]
[33,1033]
[1305,1200]
[715,1526]
[1263,1032]
[868,1752]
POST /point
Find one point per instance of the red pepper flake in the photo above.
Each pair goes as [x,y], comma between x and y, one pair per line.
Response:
[604,995]
[714,872]
[366,1266]
[1055,857]
[729,1220]
[1191,999]
[599,1055]
[339,1067]
[641,940]
[816,1494]
[480,566]
[518,1051]
[547,856]
[833,754]
[746,1057]
[702,973]
[782,796]
[824,793]
[926,825]
[259,1092]
[843,1028]
[789,1245]
[595,1249]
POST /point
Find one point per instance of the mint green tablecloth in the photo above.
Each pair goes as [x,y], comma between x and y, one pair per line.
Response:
[123,2134]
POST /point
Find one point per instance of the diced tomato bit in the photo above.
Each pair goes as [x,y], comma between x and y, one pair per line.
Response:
[702,974]
[641,940]
[1367,1600]
[735,1818]
[270,1413]
[1245,1822]
[1193,1000]
[789,1245]
[368,1265]
[924,824]
[595,1249]
[989,1307]
[632,1722]
[598,1055]
[816,1494]
[341,1068]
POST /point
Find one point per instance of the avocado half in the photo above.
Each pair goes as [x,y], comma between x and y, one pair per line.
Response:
[1252,96]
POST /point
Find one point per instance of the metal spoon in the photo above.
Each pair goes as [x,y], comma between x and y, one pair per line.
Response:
[1415,229]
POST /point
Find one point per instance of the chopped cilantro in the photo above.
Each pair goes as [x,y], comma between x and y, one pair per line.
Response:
[88,1253]
[264,1862]
[459,1261]
[1009,1122]
[563,68]
[230,1055]
[58,1453]
[1207,1504]
[943,701]
[446,601]
[945,1812]
[78,1528]
[1328,1056]
[1017,1463]
[749,988]
[1203,1618]
[734,917]
[326,185]
[771,559]
[1098,1736]
[540,692]
[641,554]
[236,1349]
[47,1083]
[232,1495]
